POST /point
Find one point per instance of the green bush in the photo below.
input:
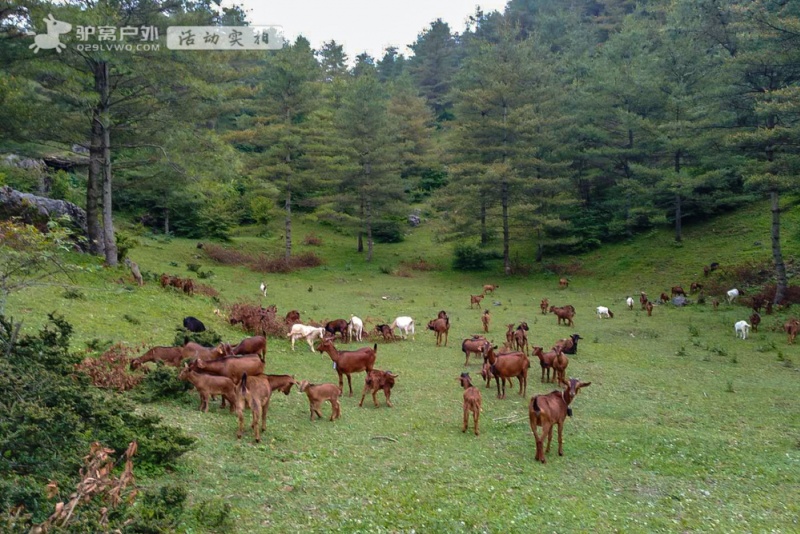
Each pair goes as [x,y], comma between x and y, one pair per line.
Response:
[387,232]
[468,258]
[56,415]
[162,383]
[209,338]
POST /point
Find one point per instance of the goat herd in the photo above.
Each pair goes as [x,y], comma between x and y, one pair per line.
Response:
[236,373]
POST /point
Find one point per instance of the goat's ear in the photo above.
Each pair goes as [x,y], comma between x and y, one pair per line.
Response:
[584,384]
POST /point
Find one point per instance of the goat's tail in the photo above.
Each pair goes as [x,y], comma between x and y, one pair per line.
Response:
[535,402]
[375,347]
[243,386]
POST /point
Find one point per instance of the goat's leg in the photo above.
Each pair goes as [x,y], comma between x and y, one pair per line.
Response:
[349,385]
[375,397]
[388,393]
[335,409]
[364,394]
[264,408]
[476,414]
[204,402]
[560,441]
[466,417]
[534,421]
[549,435]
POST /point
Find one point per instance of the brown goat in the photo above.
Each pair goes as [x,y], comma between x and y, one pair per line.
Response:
[564,313]
[649,307]
[677,290]
[337,326]
[791,328]
[386,331]
[293,317]
[489,288]
[510,334]
[664,298]
[552,409]
[715,303]
[282,383]
[695,287]
[485,320]
[755,320]
[230,366]
[319,393]
[642,298]
[442,329]
[544,305]
[377,380]
[568,345]
[472,403]
[256,393]
[195,351]
[348,362]
[169,355]
[515,364]
[208,385]
[474,346]
[563,283]
[252,345]
[560,363]
[546,361]
[475,299]
[521,338]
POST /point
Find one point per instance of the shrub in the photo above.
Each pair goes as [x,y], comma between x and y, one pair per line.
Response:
[468,258]
[387,232]
[312,240]
[110,370]
[420,264]
[208,338]
[124,245]
[73,294]
[161,383]
[257,320]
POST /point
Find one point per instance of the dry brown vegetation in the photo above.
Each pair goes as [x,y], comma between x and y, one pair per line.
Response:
[262,263]
[258,320]
[110,370]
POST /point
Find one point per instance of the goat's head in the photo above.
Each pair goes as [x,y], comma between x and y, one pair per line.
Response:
[326,344]
[302,386]
[523,326]
[572,387]
[185,370]
[465,380]
[135,364]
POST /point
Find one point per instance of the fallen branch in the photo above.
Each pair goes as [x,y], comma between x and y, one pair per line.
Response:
[387,438]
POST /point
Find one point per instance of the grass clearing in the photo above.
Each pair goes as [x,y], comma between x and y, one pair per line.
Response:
[684,428]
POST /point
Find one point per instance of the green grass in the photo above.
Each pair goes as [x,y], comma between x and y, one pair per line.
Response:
[703,438]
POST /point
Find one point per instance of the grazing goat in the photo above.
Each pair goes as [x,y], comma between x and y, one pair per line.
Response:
[293,317]
[715,303]
[564,313]
[562,283]
[664,298]
[169,355]
[195,351]
[511,365]
[230,366]
[642,298]
[755,320]
[263,288]
[405,324]
[474,346]
[193,324]
[552,409]
[319,393]
[256,393]
[629,302]
[442,328]
[209,384]
[649,307]
[355,328]
[282,383]
[569,345]
[472,403]
[377,380]
[602,311]
[677,290]
[309,333]
[521,338]
[560,363]
[740,329]
[347,362]
[475,299]
[791,327]
[489,288]
[386,331]
[695,287]
[485,320]
[544,305]
[546,360]
[442,315]
[337,326]
[732,294]
[510,334]
[249,345]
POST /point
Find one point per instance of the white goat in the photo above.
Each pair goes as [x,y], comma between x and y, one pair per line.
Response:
[741,328]
[264,288]
[355,328]
[732,294]
[405,324]
[629,302]
[310,333]
[602,311]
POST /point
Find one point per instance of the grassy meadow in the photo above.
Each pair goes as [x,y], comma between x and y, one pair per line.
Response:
[684,428]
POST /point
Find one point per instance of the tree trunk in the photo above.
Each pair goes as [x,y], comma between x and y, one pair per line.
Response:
[484,233]
[166,221]
[109,238]
[360,230]
[369,231]
[506,255]
[678,236]
[93,191]
[781,282]
[288,206]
